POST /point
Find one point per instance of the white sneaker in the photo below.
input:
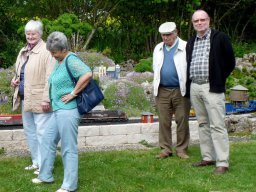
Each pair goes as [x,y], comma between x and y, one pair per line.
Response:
[31,167]
[36,172]
[37,181]
[62,190]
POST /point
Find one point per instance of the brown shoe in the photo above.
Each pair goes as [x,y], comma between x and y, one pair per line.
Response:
[183,155]
[163,155]
[220,170]
[203,163]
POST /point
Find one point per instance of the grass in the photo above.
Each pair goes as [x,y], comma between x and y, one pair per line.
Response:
[139,171]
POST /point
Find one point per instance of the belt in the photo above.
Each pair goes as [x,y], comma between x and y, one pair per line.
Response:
[200,81]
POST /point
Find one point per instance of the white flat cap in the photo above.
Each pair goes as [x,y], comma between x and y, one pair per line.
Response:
[167,27]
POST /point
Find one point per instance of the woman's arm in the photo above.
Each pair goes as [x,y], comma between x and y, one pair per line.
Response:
[81,84]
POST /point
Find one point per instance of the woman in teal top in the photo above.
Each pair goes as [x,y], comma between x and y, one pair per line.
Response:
[61,84]
[65,119]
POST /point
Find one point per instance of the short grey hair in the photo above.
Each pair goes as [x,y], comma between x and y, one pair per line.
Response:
[33,25]
[57,41]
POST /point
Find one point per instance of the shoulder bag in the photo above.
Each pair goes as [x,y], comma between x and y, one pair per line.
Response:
[89,97]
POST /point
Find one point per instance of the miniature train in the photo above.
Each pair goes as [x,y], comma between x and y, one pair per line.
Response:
[92,117]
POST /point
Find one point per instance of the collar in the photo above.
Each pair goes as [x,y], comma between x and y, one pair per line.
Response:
[170,47]
[205,36]
[34,49]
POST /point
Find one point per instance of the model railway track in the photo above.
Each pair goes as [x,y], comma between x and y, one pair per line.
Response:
[12,122]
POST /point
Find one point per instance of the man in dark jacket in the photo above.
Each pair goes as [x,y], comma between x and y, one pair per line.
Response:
[210,60]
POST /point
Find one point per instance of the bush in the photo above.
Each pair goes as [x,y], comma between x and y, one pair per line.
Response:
[9,52]
[94,59]
[244,48]
[144,65]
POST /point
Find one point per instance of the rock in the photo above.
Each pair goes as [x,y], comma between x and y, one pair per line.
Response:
[127,65]
[246,62]
[240,123]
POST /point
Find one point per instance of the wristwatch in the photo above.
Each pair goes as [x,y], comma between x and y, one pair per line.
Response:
[72,93]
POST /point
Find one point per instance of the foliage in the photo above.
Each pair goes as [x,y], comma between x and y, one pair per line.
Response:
[140,77]
[75,30]
[128,28]
[107,51]
[245,78]
[231,82]
[126,96]
[144,65]
[138,170]
[237,73]
[9,52]
[6,91]
[244,48]
[250,83]
[9,42]
[94,59]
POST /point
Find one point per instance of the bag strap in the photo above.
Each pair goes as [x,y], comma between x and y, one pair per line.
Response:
[73,79]
[69,72]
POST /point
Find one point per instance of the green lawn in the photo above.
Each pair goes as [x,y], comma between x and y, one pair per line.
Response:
[139,171]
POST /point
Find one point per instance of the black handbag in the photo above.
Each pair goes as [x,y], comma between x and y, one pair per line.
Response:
[89,97]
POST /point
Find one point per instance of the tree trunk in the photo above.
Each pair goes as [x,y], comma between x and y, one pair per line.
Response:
[89,39]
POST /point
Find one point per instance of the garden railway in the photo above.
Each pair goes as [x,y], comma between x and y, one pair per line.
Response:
[107,117]
[8,121]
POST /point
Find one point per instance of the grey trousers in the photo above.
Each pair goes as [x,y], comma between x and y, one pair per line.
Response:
[210,113]
[169,102]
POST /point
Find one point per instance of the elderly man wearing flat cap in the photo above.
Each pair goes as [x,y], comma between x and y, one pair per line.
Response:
[170,67]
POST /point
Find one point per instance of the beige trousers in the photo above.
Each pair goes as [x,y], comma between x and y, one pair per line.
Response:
[169,102]
[210,113]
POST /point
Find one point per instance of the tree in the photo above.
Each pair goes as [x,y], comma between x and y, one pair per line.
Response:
[75,30]
[9,41]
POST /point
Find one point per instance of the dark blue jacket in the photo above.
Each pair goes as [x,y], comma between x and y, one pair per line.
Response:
[221,61]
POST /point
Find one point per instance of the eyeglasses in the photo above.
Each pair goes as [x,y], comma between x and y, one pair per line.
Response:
[201,20]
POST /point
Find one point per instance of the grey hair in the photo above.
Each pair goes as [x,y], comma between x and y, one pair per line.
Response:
[33,25]
[57,41]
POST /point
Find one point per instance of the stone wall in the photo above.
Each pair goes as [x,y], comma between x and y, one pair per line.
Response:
[100,136]
[123,136]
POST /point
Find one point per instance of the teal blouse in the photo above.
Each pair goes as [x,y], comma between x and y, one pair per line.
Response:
[60,82]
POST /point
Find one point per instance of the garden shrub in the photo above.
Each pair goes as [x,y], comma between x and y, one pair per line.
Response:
[144,65]
[94,59]
[244,48]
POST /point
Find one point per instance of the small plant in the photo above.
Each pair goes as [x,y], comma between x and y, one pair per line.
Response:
[146,144]
[144,65]
[107,51]
[2,151]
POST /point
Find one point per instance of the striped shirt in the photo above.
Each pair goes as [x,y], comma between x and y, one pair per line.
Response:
[199,68]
